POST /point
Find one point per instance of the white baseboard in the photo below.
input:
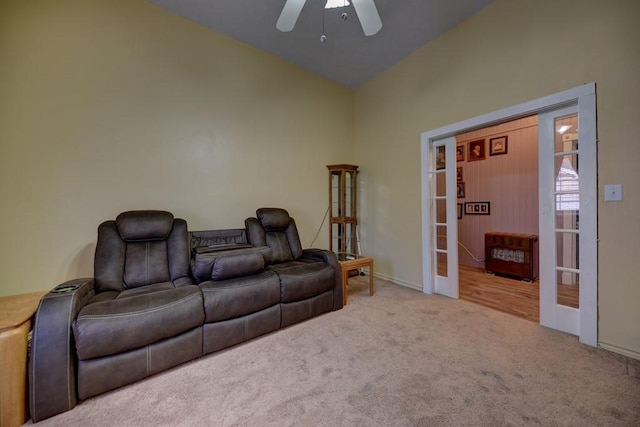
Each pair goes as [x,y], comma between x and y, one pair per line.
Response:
[398,281]
[623,351]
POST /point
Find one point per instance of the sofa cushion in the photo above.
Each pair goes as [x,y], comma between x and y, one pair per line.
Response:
[145,290]
[227,264]
[277,240]
[303,279]
[146,263]
[136,319]
[232,298]
[230,266]
[144,225]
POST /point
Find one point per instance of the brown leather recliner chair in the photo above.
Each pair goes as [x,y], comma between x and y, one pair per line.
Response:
[310,280]
[139,315]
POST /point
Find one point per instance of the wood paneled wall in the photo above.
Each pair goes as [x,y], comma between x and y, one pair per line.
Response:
[508,181]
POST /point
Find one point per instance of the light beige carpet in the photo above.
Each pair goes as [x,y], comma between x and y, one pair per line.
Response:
[400,358]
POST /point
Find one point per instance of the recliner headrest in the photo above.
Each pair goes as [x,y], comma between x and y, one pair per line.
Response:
[273,219]
[144,225]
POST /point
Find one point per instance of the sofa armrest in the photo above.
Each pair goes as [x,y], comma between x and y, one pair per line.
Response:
[52,365]
[330,258]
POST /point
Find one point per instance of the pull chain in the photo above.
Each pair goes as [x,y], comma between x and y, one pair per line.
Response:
[323,37]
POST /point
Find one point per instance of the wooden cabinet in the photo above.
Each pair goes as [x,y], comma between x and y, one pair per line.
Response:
[512,254]
[342,208]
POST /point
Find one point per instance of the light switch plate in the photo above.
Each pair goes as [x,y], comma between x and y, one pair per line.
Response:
[613,193]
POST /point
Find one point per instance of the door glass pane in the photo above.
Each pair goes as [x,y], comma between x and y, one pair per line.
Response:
[567,183]
[441,237]
[567,250]
[567,220]
[567,198]
[442,264]
[441,211]
[566,132]
[441,158]
[568,289]
[441,184]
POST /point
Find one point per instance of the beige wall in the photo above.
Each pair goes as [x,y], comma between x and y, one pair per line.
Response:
[108,106]
[511,52]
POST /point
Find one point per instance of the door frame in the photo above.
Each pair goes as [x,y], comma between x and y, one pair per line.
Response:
[585,97]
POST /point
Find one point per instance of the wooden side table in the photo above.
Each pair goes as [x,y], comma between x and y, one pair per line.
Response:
[16,312]
[352,262]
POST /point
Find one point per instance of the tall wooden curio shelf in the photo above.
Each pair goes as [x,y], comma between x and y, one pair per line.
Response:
[343,214]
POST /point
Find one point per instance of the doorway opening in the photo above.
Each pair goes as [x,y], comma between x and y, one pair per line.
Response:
[567,241]
[499,164]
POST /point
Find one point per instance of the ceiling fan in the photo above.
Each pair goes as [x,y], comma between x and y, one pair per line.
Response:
[365,9]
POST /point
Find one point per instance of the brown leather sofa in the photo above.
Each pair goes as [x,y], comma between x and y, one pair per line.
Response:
[157,301]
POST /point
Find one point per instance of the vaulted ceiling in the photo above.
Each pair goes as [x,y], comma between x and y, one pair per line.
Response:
[348,57]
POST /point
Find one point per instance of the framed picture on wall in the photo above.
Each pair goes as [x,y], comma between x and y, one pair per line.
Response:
[477,208]
[498,146]
[477,150]
[459,210]
[459,174]
[460,153]
[460,190]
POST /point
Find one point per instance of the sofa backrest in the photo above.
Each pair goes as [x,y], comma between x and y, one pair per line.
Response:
[274,228]
[141,248]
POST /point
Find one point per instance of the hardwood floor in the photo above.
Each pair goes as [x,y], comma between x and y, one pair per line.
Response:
[511,296]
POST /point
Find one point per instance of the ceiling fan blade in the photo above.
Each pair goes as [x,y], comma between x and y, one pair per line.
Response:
[289,15]
[368,16]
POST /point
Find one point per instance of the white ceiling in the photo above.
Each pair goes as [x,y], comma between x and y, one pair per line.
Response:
[348,57]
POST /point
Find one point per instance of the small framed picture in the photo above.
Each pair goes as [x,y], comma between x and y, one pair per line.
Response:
[460,153]
[440,158]
[468,208]
[459,210]
[498,146]
[460,190]
[477,150]
[459,174]
[477,208]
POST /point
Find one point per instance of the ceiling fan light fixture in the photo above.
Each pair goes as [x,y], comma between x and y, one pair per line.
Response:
[365,10]
[332,4]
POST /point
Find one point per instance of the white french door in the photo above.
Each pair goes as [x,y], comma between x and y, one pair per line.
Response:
[567,194]
[443,221]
